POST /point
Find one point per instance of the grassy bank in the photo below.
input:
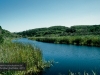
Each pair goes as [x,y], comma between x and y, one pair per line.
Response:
[89,40]
[20,53]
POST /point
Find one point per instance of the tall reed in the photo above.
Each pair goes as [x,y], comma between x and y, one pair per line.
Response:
[22,53]
[79,73]
[89,40]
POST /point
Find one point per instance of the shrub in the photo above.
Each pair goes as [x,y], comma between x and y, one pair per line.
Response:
[1,39]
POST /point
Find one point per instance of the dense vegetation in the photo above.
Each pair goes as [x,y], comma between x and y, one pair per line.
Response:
[20,53]
[78,35]
[5,33]
[62,31]
[16,52]
[85,73]
[89,40]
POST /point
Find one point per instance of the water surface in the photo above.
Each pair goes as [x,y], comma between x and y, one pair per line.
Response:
[68,57]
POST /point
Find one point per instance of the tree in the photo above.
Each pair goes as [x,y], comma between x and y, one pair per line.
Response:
[0,27]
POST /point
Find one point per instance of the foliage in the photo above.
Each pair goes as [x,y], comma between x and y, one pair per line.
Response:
[6,33]
[22,53]
[55,30]
[79,73]
[62,31]
[1,39]
[1,36]
[89,40]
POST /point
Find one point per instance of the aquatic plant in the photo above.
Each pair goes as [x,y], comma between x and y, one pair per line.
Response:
[79,73]
[22,53]
[89,40]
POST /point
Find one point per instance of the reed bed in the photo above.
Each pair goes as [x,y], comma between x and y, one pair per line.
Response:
[22,53]
[89,40]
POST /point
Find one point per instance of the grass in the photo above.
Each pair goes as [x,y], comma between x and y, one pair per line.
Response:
[85,73]
[88,40]
[32,56]
[22,53]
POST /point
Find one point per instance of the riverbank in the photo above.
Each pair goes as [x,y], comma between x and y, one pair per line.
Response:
[22,53]
[88,40]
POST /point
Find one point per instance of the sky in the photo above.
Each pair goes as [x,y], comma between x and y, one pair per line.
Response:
[20,15]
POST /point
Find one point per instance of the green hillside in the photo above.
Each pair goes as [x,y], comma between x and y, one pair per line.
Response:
[62,31]
[6,34]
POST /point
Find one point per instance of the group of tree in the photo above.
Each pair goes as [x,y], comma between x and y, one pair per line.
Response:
[1,37]
[5,34]
[62,31]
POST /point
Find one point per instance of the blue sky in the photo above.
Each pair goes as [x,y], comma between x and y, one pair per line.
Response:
[20,15]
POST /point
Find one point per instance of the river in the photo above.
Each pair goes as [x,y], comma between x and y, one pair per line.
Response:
[68,57]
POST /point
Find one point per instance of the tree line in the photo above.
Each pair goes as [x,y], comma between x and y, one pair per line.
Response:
[5,34]
[61,31]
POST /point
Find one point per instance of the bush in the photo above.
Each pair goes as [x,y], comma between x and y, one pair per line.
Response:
[1,39]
